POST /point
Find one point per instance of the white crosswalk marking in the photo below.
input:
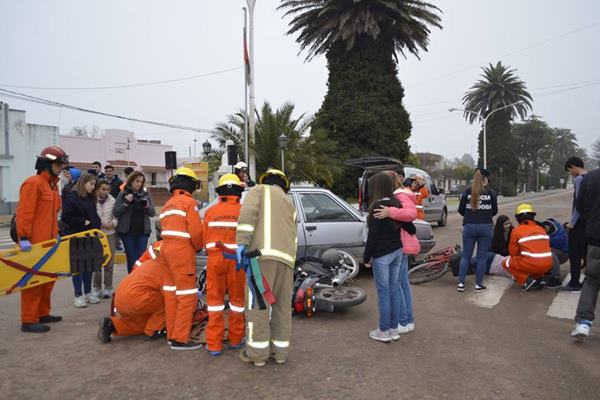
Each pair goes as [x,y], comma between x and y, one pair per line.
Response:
[496,286]
[564,305]
[5,241]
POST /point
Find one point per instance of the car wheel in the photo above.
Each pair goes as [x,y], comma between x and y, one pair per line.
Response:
[444,218]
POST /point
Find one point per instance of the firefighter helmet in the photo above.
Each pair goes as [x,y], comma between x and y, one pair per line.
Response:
[54,154]
[525,209]
[275,172]
[185,171]
[229,180]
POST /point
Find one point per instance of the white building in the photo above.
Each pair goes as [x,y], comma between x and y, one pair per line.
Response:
[20,142]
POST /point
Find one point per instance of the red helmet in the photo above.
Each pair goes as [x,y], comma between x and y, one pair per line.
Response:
[54,154]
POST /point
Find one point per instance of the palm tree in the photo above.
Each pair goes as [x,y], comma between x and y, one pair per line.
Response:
[564,145]
[499,87]
[362,110]
[231,129]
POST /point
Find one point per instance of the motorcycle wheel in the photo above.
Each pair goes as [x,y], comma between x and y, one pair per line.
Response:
[350,264]
[341,296]
[427,272]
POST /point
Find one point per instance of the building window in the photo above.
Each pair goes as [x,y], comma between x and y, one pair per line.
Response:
[153,179]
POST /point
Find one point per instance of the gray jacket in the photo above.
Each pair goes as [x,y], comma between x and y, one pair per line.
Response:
[122,211]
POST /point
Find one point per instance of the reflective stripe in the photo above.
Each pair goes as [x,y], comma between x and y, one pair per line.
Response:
[215,308]
[245,228]
[536,237]
[176,233]
[236,308]
[258,345]
[186,292]
[172,212]
[419,206]
[250,301]
[223,224]
[229,246]
[151,252]
[138,263]
[169,288]
[278,254]
[508,262]
[267,217]
[281,343]
[536,255]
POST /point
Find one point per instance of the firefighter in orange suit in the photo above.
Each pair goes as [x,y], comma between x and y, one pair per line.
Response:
[220,223]
[182,238]
[139,305]
[529,247]
[150,254]
[37,221]
[422,195]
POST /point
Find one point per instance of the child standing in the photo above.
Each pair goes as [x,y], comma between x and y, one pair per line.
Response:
[104,207]
[384,247]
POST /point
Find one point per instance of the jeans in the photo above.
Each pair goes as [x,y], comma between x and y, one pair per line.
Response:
[135,246]
[86,279]
[480,234]
[386,271]
[591,285]
[406,301]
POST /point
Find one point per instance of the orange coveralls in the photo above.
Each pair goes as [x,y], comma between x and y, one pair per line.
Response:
[530,253]
[149,254]
[422,195]
[139,301]
[182,235]
[37,220]
[220,224]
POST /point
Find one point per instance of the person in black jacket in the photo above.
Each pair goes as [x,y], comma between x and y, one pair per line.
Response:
[478,205]
[501,236]
[113,180]
[385,248]
[79,214]
[588,204]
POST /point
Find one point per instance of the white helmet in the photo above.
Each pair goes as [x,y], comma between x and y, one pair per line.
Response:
[241,165]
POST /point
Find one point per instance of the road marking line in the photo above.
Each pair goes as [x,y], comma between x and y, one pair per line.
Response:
[564,305]
[496,286]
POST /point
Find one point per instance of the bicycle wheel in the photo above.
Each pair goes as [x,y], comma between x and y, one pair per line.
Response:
[427,272]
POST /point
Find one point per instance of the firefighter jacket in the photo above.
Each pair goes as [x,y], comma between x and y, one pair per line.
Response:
[37,211]
[180,220]
[267,222]
[422,195]
[220,223]
[530,244]
[150,254]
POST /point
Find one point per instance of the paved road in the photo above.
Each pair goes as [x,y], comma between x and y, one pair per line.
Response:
[461,348]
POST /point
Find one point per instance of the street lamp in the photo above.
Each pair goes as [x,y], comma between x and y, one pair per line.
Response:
[478,114]
[283,141]
[206,147]
[195,140]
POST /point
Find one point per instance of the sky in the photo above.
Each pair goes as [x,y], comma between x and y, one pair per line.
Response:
[552,44]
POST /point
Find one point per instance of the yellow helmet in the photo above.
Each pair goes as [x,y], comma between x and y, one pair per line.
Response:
[185,171]
[229,180]
[274,171]
[524,209]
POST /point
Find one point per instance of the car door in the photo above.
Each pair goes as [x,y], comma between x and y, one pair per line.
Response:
[434,203]
[300,233]
[328,223]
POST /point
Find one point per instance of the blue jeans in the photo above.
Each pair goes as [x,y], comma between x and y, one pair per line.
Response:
[86,279]
[406,300]
[480,234]
[135,246]
[386,271]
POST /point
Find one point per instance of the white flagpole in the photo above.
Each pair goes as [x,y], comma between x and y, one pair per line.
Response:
[246,155]
[251,120]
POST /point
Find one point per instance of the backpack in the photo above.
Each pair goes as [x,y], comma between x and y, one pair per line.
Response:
[13,229]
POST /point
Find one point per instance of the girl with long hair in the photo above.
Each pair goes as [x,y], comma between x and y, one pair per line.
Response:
[501,236]
[478,205]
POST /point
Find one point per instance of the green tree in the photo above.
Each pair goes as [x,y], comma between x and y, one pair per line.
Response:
[499,87]
[596,153]
[534,140]
[564,145]
[363,110]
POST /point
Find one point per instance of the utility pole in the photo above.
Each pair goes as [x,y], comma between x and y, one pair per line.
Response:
[251,99]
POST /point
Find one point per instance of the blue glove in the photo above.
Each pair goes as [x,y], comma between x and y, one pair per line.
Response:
[241,248]
[25,245]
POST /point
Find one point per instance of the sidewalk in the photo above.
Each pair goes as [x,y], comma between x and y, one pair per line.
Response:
[523,197]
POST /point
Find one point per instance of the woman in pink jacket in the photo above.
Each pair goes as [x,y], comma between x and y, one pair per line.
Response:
[410,245]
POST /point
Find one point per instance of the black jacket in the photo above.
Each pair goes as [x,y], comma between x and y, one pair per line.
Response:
[76,210]
[486,209]
[384,236]
[115,184]
[588,204]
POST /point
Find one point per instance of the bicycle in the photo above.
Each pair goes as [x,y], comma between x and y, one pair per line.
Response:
[432,266]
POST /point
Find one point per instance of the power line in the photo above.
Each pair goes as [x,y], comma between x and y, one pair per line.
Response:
[25,97]
[162,82]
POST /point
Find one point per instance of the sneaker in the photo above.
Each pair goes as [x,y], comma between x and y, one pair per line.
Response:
[569,289]
[553,283]
[214,353]
[529,284]
[399,330]
[35,327]
[460,287]
[480,288]
[91,298]
[279,360]
[79,302]
[380,336]
[105,330]
[411,326]
[244,357]
[97,293]
[107,293]
[190,345]
[394,334]
[236,346]
[158,335]
[48,319]
[581,331]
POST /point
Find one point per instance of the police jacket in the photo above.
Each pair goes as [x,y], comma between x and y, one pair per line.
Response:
[487,207]
[267,222]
